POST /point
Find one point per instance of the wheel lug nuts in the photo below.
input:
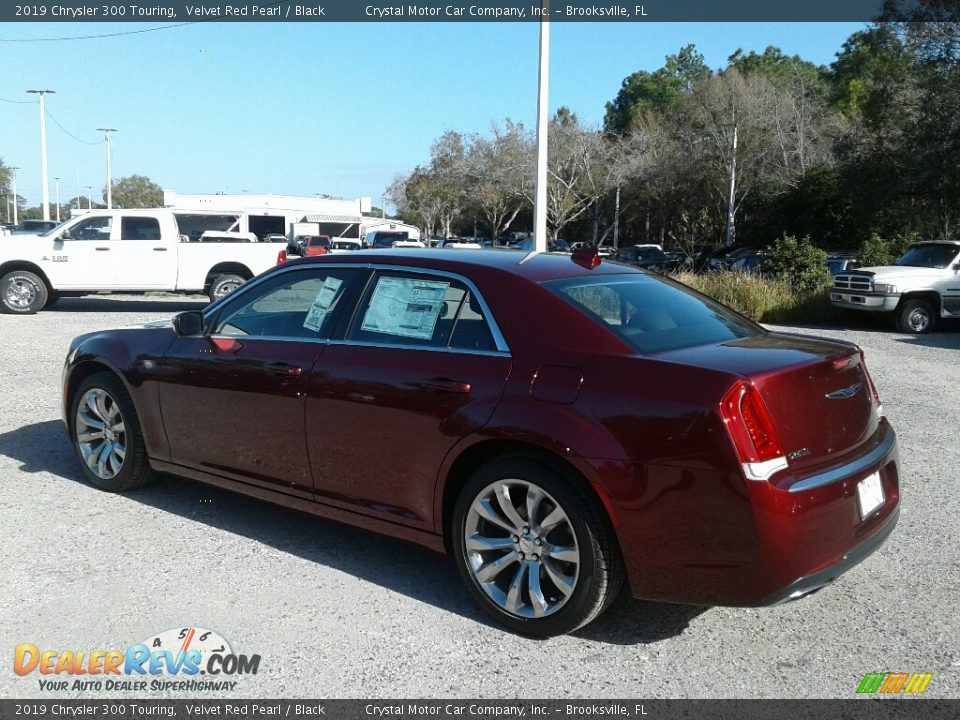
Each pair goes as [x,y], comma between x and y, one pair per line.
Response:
[538,541]
[515,539]
[536,558]
[526,530]
[522,556]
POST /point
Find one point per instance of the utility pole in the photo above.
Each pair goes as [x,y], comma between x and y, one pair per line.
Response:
[89,197]
[106,138]
[78,189]
[13,173]
[57,181]
[43,151]
[543,124]
[731,197]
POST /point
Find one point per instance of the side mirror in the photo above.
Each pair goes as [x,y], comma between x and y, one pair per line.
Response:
[65,235]
[188,324]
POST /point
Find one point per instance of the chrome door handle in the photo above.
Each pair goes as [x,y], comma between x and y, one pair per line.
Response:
[284,370]
[445,385]
[103,249]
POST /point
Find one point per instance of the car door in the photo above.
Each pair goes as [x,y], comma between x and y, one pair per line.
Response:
[233,399]
[142,258]
[81,257]
[421,365]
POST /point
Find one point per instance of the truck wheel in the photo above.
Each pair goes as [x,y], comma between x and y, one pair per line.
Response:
[52,297]
[22,293]
[916,316]
[224,285]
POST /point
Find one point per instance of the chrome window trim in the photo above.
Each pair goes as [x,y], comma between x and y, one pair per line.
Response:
[499,340]
[850,468]
[428,348]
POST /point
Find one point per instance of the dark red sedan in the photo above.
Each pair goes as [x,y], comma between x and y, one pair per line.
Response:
[558,424]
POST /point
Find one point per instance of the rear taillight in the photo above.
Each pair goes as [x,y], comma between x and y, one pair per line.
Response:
[873,388]
[281,257]
[752,431]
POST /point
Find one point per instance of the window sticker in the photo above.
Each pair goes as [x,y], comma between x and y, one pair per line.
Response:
[321,304]
[405,307]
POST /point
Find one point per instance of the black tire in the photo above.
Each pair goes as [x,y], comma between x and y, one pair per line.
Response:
[600,573]
[916,316]
[135,470]
[52,297]
[224,285]
[22,293]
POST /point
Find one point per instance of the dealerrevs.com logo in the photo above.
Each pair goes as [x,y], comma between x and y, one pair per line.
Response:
[196,658]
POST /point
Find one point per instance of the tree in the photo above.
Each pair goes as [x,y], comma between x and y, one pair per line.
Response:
[658,91]
[496,175]
[136,191]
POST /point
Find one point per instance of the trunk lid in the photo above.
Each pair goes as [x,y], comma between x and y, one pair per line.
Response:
[817,391]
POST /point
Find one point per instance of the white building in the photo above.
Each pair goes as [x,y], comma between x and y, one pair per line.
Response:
[268,214]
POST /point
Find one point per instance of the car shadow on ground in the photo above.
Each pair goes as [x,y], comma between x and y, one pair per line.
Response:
[128,304]
[947,341]
[392,564]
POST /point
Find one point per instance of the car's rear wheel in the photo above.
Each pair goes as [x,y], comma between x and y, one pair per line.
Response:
[535,547]
[107,436]
[22,293]
[916,316]
[224,285]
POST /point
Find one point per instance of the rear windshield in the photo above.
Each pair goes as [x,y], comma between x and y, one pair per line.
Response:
[652,314]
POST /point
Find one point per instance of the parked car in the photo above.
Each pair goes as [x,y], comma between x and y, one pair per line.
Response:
[457,243]
[381,239]
[919,289]
[35,227]
[630,430]
[339,244]
[647,257]
[315,245]
[751,262]
[274,237]
[841,263]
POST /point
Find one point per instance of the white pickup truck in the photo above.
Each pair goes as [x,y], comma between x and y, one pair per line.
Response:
[922,287]
[121,251]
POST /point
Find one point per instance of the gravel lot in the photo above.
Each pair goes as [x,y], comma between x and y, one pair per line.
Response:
[336,612]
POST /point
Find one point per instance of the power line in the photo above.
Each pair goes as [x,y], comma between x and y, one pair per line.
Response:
[19,102]
[94,37]
[85,142]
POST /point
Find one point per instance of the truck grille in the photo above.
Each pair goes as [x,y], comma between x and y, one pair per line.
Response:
[852,282]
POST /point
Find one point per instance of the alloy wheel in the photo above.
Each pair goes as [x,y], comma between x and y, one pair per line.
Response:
[20,293]
[100,433]
[521,548]
[918,320]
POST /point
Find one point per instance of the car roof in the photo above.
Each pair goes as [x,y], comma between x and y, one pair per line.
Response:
[537,267]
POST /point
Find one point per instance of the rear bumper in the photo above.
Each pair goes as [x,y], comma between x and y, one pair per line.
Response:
[809,584]
[853,300]
[709,537]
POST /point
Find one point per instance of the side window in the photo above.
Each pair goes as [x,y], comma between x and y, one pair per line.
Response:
[604,302]
[294,305]
[421,311]
[139,228]
[93,228]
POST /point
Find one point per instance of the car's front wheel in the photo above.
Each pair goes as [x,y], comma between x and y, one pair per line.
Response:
[107,436]
[535,547]
[22,293]
[916,316]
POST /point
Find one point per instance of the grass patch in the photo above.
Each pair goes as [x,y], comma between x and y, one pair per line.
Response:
[765,299]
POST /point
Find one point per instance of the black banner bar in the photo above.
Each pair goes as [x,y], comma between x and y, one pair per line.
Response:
[105,709]
[480,11]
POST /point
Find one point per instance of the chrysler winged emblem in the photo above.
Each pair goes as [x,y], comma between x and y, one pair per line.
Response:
[844,393]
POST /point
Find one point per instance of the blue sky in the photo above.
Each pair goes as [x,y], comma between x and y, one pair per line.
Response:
[304,108]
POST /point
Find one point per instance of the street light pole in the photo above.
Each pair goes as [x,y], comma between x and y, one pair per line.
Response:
[57,181]
[106,137]
[43,151]
[13,173]
[89,197]
[543,122]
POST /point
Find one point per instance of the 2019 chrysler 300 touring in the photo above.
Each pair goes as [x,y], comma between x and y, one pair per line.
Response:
[558,424]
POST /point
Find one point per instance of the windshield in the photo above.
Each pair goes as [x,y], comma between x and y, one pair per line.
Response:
[653,314]
[929,256]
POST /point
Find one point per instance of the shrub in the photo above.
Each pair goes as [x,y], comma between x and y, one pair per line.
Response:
[764,299]
[800,263]
[877,251]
